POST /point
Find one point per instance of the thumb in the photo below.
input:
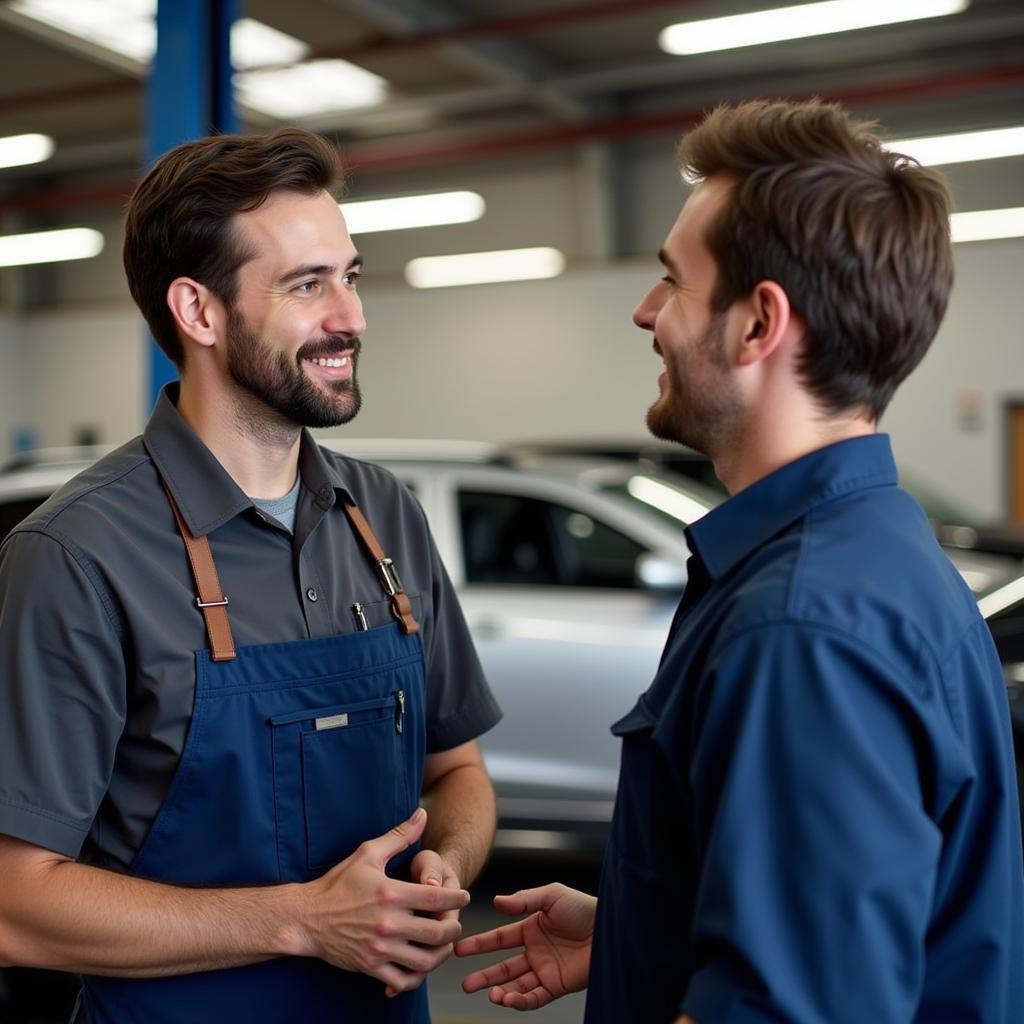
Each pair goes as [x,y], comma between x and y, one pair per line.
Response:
[401,837]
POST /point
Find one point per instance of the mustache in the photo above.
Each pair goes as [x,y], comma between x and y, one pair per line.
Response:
[329,347]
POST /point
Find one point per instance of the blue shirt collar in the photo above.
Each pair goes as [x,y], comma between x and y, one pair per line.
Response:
[735,529]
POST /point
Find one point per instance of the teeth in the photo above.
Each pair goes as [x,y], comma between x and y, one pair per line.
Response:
[334,361]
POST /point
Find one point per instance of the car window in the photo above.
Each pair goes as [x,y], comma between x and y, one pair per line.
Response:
[517,539]
[12,512]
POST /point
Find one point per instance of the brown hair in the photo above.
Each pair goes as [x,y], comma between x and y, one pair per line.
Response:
[180,215]
[857,236]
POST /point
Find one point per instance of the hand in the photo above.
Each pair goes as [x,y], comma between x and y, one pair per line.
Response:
[430,868]
[556,941]
[359,919]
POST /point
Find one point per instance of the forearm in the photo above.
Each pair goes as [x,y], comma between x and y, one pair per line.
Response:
[68,916]
[461,819]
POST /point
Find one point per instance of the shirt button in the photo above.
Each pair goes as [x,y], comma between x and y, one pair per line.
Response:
[311,593]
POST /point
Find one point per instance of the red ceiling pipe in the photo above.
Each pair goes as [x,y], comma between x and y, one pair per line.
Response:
[371,159]
[367,159]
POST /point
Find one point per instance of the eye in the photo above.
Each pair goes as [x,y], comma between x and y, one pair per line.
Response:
[351,277]
[310,287]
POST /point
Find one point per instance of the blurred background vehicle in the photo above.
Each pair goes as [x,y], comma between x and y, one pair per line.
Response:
[987,554]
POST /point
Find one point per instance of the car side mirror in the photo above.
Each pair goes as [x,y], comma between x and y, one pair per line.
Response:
[659,572]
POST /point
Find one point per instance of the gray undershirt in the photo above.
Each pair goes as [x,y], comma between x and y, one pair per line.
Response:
[281,509]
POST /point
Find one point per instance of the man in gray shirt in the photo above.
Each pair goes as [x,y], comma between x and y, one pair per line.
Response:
[231,663]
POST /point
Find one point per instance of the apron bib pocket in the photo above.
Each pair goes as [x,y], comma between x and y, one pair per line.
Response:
[339,778]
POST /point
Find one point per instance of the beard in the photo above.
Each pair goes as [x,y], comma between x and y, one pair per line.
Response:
[281,384]
[700,406]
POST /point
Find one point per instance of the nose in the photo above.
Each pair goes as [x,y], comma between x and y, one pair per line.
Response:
[345,314]
[647,311]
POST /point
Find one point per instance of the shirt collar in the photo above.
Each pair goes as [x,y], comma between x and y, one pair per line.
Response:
[735,529]
[205,492]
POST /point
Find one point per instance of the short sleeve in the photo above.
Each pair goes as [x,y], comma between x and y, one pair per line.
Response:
[62,690]
[460,704]
[818,859]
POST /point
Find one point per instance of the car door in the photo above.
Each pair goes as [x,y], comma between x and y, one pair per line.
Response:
[567,638]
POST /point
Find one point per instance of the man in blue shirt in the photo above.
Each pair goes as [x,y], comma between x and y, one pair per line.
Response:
[817,815]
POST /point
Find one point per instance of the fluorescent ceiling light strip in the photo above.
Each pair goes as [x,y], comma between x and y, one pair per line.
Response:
[981,225]
[305,88]
[50,246]
[963,147]
[18,150]
[484,267]
[797,22]
[401,212]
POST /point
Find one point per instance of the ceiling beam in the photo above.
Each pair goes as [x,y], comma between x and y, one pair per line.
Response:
[497,60]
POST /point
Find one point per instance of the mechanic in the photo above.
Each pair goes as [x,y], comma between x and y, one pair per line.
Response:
[231,662]
[817,819]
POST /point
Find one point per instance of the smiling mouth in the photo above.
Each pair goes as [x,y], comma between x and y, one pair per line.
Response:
[332,361]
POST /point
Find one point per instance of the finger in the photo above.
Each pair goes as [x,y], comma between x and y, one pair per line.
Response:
[401,837]
[532,1000]
[501,974]
[508,936]
[427,868]
[395,979]
[427,931]
[420,959]
[431,898]
[528,900]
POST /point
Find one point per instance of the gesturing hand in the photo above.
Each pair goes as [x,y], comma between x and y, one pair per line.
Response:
[555,941]
[359,919]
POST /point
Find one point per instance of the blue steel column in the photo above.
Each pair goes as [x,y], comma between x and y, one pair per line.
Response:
[189,96]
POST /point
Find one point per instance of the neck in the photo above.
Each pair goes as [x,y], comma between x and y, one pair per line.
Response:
[258,449]
[766,447]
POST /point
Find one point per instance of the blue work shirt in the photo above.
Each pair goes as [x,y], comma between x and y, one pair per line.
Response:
[817,819]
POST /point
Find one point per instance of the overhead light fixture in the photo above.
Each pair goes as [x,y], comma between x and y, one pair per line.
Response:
[982,225]
[306,88]
[396,214]
[19,150]
[797,22]
[484,267]
[50,246]
[127,27]
[963,147]
[303,89]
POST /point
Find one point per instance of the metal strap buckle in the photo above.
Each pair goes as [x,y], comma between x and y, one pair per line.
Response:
[389,577]
[211,604]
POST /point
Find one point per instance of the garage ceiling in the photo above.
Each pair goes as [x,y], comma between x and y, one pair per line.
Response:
[482,80]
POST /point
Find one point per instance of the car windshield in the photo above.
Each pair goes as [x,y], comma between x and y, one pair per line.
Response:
[678,504]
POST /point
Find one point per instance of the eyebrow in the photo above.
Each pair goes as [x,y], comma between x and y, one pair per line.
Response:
[316,270]
[668,263]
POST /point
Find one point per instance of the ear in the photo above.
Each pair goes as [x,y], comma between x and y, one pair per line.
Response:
[767,320]
[198,313]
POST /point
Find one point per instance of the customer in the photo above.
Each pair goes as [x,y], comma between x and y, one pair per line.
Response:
[817,820]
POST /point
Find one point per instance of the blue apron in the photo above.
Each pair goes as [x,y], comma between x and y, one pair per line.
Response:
[296,753]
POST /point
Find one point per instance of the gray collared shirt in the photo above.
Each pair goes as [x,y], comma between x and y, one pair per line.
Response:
[99,628]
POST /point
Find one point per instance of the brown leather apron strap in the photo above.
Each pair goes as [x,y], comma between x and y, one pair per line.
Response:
[211,600]
[401,606]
